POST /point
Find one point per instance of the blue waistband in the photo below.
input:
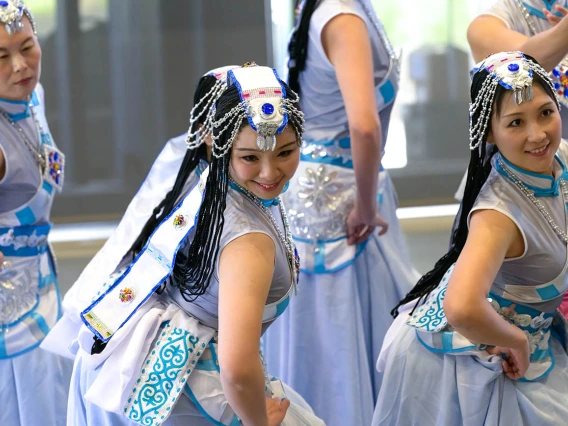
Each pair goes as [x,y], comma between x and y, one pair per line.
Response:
[24,241]
[522,310]
[335,152]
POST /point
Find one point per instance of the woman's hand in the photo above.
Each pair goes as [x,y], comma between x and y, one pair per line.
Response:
[552,18]
[359,228]
[516,361]
[1,260]
[276,410]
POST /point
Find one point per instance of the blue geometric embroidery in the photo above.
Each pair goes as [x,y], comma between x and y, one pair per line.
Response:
[163,376]
[430,316]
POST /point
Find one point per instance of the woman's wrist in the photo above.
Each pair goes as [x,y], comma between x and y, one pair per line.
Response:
[520,338]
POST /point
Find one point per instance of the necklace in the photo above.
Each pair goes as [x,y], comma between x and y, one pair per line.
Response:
[530,195]
[286,237]
[394,59]
[35,151]
[527,16]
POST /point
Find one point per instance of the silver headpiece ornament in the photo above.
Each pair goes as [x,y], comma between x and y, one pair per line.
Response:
[263,104]
[11,14]
[205,106]
[511,70]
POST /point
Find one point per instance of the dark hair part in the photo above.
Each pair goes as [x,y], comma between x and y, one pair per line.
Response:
[298,45]
[477,173]
[189,163]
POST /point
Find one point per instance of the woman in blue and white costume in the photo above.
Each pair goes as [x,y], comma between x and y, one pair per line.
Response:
[34,383]
[536,27]
[488,345]
[176,340]
[339,204]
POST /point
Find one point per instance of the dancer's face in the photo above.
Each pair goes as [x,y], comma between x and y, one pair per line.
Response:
[264,173]
[528,135]
[20,62]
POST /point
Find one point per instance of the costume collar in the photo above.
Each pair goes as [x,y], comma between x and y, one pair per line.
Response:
[543,185]
[18,110]
[535,7]
[266,203]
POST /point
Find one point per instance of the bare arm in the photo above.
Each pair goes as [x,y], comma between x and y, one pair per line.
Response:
[488,34]
[345,40]
[492,238]
[246,267]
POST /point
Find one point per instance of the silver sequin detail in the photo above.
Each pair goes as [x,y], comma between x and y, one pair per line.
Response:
[18,292]
[322,152]
[319,206]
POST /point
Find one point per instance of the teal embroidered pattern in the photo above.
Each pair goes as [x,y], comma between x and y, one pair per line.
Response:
[430,316]
[163,375]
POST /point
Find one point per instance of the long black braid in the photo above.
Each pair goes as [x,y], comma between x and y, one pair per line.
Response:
[162,210]
[477,173]
[189,163]
[298,45]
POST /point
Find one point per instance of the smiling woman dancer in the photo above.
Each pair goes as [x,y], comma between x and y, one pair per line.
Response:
[488,345]
[33,382]
[177,326]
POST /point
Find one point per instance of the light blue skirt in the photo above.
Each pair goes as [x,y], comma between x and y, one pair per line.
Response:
[81,412]
[327,342]
[421,387]
[33,389]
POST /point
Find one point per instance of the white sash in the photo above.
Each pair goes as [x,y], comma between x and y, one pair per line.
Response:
[153,265]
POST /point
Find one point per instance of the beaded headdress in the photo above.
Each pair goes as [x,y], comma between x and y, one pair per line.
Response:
[511,70]
[263,103]
[11,14]
[196,136]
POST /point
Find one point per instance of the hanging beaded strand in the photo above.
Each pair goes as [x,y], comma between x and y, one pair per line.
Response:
[35,151]
[530,195]
[285,238]
[395,60]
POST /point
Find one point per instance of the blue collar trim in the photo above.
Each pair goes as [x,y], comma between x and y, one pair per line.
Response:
[266,203]
[548,5]
[15,106]
[551,185]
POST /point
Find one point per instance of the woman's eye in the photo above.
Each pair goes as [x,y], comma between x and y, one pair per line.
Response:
[250,158]
[515,123]
[547,112]
[285,153]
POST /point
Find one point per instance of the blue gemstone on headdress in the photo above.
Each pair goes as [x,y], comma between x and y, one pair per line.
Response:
[513,67]
[556,73]
[267,109]
[3,3]
[556,86]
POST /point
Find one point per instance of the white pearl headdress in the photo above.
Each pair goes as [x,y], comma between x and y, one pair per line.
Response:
[511,70]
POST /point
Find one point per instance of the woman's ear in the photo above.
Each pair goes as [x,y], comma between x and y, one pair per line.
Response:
[490,139]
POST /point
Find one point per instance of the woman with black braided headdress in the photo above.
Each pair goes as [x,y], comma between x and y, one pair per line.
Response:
[340,203]
[175,329]
[479,340]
